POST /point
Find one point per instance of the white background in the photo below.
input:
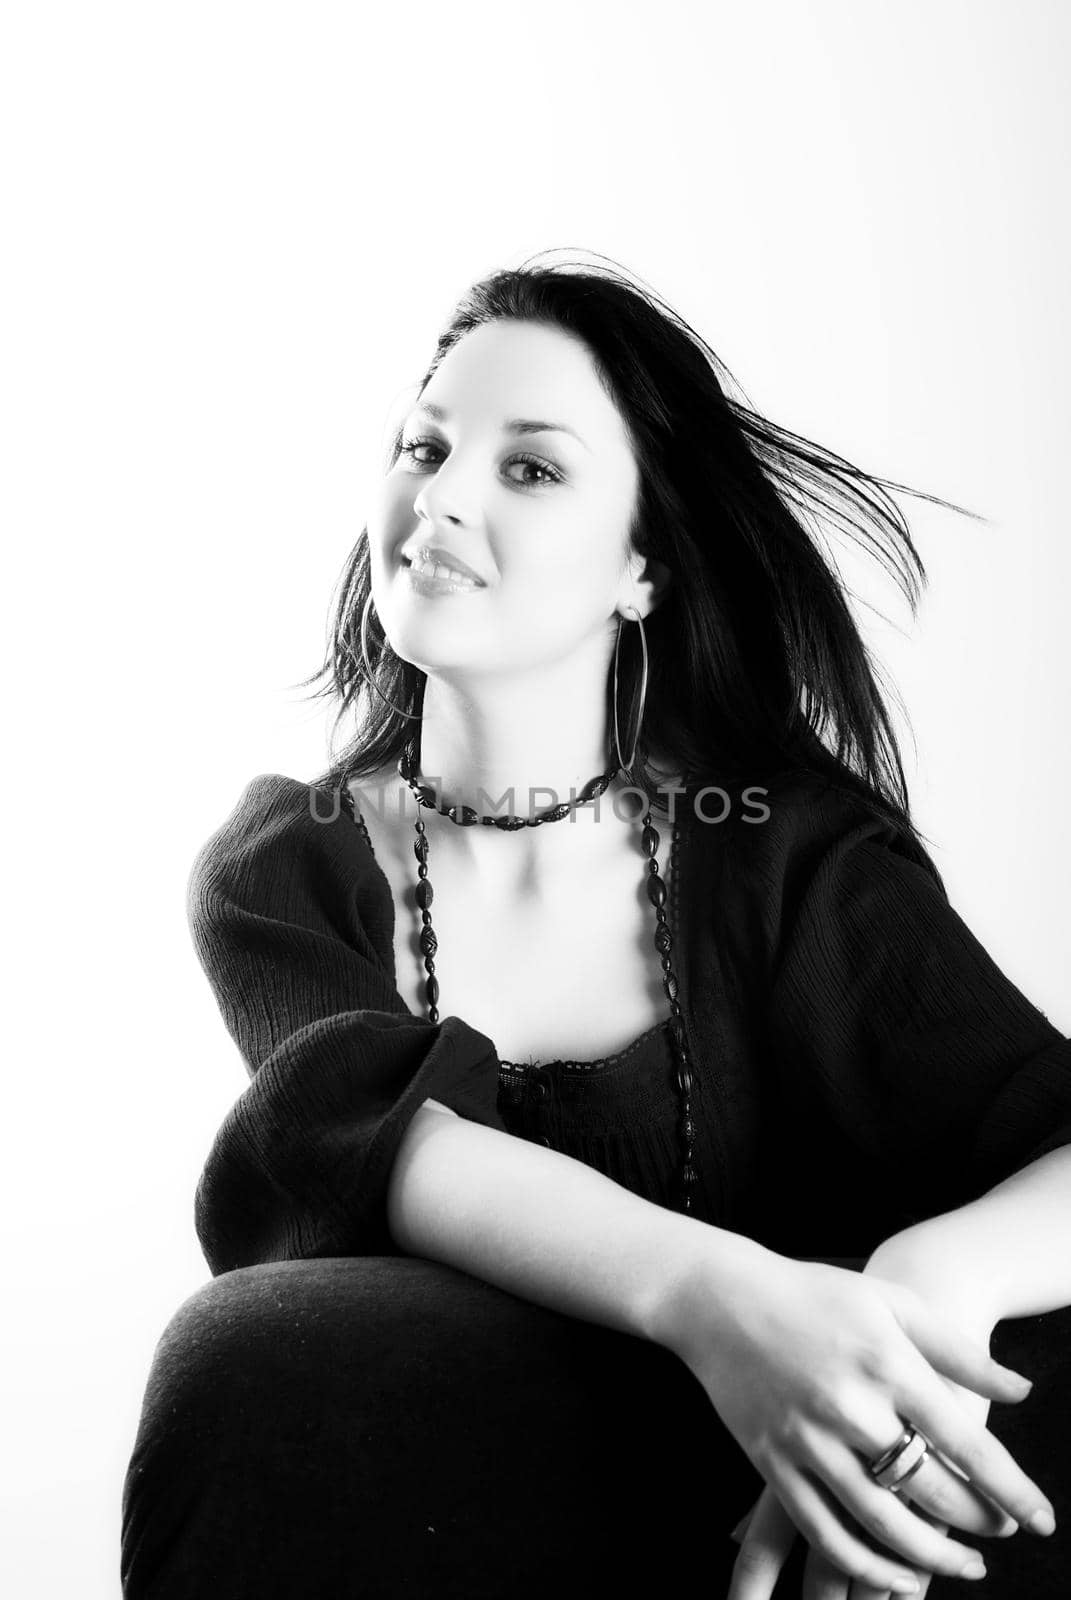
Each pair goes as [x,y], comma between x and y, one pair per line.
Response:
[232,232]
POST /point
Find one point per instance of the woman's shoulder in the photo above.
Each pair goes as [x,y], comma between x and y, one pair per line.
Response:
[796,832]
[280,824]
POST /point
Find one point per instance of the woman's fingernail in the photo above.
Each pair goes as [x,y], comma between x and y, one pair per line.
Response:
[1042,1522]
[974,1568]
[906,1585]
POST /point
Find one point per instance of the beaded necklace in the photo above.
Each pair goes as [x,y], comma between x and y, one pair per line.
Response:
[466,816]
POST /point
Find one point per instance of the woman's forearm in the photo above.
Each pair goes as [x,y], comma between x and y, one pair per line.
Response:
[549,1228]
[1009,1252]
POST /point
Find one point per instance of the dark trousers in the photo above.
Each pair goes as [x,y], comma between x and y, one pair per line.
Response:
[392,1427]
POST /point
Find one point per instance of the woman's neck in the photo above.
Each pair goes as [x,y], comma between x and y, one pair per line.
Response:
[526,863]
[512,746]
[519,745]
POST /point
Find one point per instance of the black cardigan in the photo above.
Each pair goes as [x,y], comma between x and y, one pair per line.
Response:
[860,1061]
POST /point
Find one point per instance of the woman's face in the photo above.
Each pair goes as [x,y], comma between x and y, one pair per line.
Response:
[542,516]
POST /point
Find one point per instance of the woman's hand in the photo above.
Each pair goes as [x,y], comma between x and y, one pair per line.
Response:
[767,1533]
[813,1369]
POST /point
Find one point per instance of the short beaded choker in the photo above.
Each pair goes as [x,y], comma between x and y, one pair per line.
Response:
[465,816]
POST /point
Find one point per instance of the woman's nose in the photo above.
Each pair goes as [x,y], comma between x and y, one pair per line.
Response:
[449,494]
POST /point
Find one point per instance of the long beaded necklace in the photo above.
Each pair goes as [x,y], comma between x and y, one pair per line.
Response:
[465,816]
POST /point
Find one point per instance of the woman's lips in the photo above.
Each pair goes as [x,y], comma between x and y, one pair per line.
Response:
[425,584]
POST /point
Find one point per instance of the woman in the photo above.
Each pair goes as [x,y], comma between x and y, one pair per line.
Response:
[614,897]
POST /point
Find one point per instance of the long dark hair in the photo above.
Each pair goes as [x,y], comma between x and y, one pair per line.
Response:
[757,669]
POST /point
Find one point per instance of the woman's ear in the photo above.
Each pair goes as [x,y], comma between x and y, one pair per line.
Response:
[649,581]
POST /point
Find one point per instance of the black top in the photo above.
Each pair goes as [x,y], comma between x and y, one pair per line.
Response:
[618,1112]
[859,1061]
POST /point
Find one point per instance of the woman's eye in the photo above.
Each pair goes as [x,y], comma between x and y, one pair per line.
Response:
[550,475]
[409,449]
[528,462]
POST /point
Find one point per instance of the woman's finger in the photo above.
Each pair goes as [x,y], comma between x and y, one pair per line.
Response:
[737,1535]
[956,1354]
[938,1483]
[769,1537]
[808,1505]
[882,1515]
[967,1443]
[943,1495]
[863,1591]
[823,1581]
[939,1489]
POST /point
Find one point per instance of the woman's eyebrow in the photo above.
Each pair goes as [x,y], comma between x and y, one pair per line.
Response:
[511,424]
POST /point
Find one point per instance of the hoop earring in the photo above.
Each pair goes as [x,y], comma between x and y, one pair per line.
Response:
[626,766]
[370,675]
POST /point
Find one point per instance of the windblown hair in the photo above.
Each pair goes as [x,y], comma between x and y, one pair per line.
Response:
[757,669]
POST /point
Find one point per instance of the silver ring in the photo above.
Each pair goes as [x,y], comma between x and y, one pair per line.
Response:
[901,1461]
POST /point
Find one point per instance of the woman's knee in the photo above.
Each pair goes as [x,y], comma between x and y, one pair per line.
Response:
[322,1411]
[232,1382]
[254,1337]
[206,1354]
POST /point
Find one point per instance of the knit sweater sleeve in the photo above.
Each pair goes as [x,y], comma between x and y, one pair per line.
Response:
[928,1063]
[291,924]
